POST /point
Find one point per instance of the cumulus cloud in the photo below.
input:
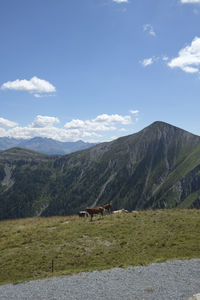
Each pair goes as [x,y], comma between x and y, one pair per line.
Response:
[93,130]
[102,122]
[147,62]
[165,58]
[53,132]
[7,123]
[149,29]
[111,119]
[44,121]
[34,85]
[188,59]
[3,132]
[190,1]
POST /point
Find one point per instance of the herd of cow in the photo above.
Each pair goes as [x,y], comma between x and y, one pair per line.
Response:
[96,210]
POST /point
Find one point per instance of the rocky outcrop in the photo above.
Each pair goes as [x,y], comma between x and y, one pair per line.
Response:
[8,180]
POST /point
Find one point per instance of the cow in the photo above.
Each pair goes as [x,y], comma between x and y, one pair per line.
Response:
[95,211]
[83,214]
[108,207]
[120,211]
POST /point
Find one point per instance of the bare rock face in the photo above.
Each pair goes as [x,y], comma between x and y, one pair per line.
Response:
[8,180]
[195,297]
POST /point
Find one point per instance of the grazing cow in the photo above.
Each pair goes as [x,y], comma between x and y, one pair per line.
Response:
[95,211]
[120,211]
[108,207]
[83,214]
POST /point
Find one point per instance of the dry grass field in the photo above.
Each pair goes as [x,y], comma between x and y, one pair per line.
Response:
[28,246]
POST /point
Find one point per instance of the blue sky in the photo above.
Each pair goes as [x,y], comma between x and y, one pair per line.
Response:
[98,69]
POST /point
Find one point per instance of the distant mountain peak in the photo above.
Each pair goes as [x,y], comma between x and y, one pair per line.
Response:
[161,125]
[165,129]
[44,145]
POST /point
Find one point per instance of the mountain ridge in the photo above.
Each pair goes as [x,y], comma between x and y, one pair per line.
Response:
[157,167]
[44,145]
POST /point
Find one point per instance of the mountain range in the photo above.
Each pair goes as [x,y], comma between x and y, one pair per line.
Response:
[43,145]
[156,168]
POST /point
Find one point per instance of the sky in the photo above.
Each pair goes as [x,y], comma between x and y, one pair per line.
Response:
[95,70]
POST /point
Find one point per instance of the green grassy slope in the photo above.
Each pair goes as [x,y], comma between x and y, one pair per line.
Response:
[27,246]
[187,169]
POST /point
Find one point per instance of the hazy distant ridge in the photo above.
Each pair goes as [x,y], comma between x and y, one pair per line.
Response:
[43,145]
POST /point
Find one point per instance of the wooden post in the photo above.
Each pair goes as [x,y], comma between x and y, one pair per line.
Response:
[52,265]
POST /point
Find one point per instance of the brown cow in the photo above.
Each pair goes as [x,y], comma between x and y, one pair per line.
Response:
[95,211]
[108,207]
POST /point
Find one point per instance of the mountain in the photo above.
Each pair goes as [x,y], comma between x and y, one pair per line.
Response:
[43,145]
[158,167]
[6,143]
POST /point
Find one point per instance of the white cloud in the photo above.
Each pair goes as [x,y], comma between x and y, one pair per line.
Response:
[111,119]
[3,132]
[134,112]
[38,96]
[123,130]
[120,1]
[188,58]
[44,121]
[53,132]
[147,62]
[93,130]
[7,123]
[34,85]
[190,1]
[149,28]
[165,58]
[102,122]
[43,95]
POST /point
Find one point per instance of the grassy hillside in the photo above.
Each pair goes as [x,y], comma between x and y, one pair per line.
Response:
[27,246]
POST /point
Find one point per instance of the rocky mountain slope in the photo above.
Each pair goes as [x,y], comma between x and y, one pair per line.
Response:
[158,167]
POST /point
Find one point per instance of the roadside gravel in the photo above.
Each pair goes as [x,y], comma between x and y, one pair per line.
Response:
[172,280]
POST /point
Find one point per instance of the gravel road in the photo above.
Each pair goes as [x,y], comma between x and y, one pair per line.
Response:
[159,281]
